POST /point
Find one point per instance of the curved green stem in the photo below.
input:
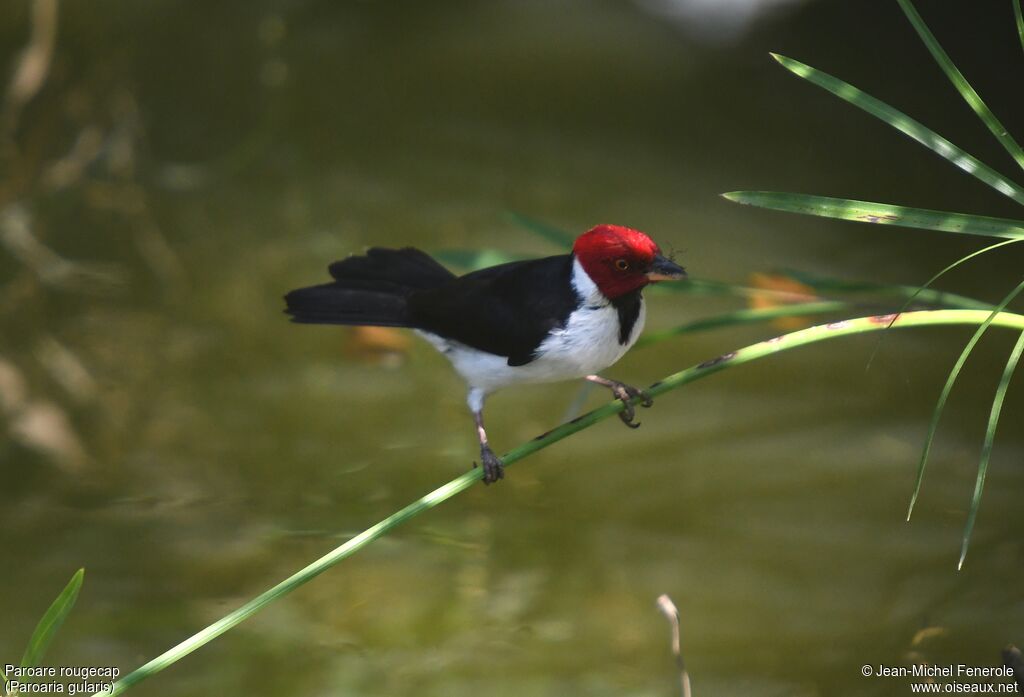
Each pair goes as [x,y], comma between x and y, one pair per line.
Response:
[750,353]
[986,448]
[940,404]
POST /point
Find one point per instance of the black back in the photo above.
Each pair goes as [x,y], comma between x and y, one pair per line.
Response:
[506,310]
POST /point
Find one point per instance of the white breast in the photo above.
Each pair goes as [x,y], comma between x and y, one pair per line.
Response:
[587,344]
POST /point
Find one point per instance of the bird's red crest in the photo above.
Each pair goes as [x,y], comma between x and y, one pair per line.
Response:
[615,258]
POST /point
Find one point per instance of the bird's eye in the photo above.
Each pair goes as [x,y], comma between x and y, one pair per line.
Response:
[621,264]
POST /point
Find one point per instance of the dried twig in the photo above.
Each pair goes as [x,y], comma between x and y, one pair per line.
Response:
[34,63]
[668,608]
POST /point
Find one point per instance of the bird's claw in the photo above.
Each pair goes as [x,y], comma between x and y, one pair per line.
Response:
[626,394]
[494,468]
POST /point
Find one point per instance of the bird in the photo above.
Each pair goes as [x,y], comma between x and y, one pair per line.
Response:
[556,318]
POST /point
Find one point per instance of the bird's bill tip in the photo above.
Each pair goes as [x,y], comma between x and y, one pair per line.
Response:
[663,269]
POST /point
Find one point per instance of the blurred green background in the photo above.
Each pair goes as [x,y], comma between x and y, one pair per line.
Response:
[177,166]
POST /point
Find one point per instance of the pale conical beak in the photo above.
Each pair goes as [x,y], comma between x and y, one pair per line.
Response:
[663,269]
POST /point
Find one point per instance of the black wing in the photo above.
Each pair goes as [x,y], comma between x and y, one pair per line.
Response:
[506,310]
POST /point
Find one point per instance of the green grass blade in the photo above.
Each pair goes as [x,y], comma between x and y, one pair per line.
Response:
[880,213]
[1020,21]
[820,306]
[948,387]
[733,359]
[556,236]
[705,286]
[820,285]
[960,82]
[750,316]
[473,259]
[940,298]
[918,292]
[906,125]
[51,621]
[958,262]
[986,448]
[935,298]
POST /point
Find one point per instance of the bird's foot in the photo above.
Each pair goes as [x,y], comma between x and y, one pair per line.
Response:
[494,468]
[626,394]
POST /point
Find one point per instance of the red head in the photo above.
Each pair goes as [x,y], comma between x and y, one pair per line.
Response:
[620,260]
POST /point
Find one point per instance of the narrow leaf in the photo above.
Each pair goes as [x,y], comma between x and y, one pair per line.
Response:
[51,621]
[903,123]
[986,448]
[556,236]
[823,284]
[704,286]
[881,213]
[935,298]
[961,84]
[749,316]
[948,387]
[940,274]
[928,284]
[1020,21]
[473,259]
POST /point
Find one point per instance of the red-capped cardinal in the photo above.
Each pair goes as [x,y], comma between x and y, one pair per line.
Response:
[542,320]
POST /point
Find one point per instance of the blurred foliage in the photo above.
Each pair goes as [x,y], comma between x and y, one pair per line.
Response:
[904,216]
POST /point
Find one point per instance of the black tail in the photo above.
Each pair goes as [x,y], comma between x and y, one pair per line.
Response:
[371,289]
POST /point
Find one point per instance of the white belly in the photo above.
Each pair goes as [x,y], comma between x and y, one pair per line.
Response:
[587,344]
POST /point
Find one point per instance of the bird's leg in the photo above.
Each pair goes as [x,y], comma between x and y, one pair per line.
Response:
[493,467]
[626,394]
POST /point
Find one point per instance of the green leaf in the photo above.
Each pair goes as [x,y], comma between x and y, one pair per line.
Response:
[922,290]
[986,448]
[903,123]
[51,621]
[935,298]
[705,286]
[961,84]
[881,213]
[749,316]
[556,236]
[958,262]
[948,387]
[474,259]
[1020,21]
